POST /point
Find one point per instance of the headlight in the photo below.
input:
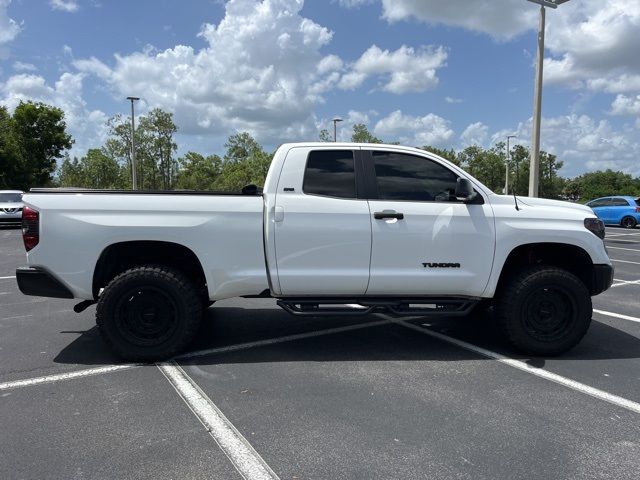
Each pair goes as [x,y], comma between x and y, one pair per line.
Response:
[595,226]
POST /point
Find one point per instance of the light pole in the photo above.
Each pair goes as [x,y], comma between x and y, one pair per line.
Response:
[335,130]
[506,178]
[134,174]
[534,171]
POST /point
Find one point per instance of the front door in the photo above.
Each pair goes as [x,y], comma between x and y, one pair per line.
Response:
[424,241]
[322,230]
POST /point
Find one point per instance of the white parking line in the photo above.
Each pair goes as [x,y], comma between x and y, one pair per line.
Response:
[200,353]
[617,315]
[624,282]
[64,376]
[7,278]
[520,365]
[247,461]
[288,338]
[620,234]
[624,261]
[621,248]
[17,316]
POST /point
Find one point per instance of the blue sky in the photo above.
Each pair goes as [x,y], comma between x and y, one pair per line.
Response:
[420,72]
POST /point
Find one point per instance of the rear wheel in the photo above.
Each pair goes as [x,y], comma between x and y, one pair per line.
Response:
[149,313]
[628,222]
[544,311]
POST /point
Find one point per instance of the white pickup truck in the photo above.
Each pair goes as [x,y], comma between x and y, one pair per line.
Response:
[338,229]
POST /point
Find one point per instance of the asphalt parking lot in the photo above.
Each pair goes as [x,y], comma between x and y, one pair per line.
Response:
[267,395]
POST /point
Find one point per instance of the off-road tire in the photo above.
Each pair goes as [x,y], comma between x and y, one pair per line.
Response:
[142,300]
[628,222]
[544,311]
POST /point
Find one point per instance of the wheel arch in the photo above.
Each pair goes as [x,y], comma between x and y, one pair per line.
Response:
[121,256]
[569,257]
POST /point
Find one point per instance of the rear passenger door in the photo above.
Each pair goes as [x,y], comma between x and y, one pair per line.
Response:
[322,230]
[425,242]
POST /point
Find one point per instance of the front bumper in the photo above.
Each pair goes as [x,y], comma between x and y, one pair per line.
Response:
[602,278]
[40,283]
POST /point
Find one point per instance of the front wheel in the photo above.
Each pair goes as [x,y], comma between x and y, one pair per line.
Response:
[544,311]
[628,222]
[149,313]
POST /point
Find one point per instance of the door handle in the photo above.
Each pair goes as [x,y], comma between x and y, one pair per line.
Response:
[388,214]
[278,213]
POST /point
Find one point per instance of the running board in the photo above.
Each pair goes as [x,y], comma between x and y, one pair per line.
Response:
[400,307]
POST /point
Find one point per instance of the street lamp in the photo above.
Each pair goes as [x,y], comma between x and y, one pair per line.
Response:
[134,176]
[534,171]
[506,178]
[335,131]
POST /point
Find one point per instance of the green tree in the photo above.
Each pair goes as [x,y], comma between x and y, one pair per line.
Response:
[100,171]
[486,165]
[155,149]
[362,135]
[70,173]
[198,172]
[325,136]
[158,166]
[11,162]
[241,146]
[601,184]
[94,170]
[450,154]
[39,132]
[245,162]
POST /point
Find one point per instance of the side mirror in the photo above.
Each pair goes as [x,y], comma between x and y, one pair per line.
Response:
[464,190]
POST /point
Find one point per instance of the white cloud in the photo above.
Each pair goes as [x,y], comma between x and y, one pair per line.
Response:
[261,71]
[475,134]
[584,143]
[86,126]
[626,105]
[24,67]
[452,100]
[354,3]
[65,5]
[418,131]
[502,20]
[9,28]
[405,69]
[593,43]
[330,63]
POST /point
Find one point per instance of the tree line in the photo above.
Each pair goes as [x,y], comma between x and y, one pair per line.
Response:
[34,139]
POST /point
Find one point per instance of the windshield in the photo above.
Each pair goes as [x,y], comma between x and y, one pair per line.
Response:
[10,197]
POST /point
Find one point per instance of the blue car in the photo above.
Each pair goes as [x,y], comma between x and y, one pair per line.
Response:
[623,211]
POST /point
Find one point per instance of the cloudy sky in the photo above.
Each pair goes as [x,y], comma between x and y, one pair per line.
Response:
[449,74]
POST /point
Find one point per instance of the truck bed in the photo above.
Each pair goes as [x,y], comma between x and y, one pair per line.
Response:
[223,230]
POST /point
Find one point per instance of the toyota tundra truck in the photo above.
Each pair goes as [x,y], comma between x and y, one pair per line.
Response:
[338,229]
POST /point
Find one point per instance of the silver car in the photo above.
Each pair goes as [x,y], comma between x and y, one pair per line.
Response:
[10,207]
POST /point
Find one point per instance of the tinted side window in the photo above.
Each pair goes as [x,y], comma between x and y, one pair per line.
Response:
[330,173]
[619,202]
[407,177]
[599,203]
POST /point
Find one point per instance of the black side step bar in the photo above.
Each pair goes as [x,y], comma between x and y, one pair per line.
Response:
[400,307]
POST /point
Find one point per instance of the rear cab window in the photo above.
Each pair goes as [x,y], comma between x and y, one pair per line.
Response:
[330,173]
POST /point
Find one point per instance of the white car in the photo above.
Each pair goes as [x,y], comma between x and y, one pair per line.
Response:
[388,228]
[10,207]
